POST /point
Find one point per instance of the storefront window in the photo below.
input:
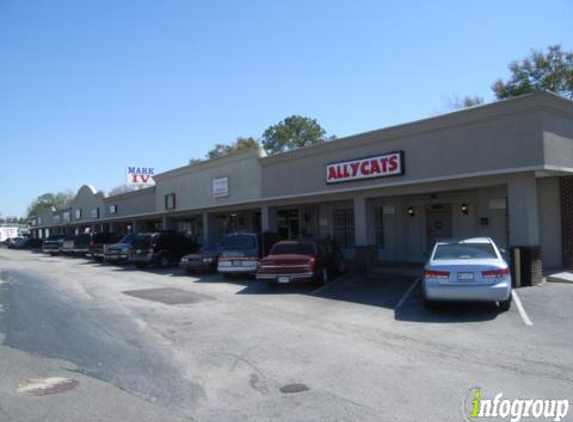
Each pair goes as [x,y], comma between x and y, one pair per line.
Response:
[344,227]
[170,201]
[379,226]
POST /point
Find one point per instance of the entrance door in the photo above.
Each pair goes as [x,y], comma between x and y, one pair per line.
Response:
[438,223]
[288,223]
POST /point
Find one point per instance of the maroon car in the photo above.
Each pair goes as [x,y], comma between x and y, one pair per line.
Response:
[293,261]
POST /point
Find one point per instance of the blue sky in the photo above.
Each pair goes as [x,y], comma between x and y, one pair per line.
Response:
[90,86]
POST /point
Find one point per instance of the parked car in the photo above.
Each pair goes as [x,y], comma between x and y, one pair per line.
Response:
[82,244]
[161,248]
[13,241]
[119,252]
[203,260]
[293,261]
[68,244]
[467,270]
[241,252]
[27,243]
[53,244]
[99,241]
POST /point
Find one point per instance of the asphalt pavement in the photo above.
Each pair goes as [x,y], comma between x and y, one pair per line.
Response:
[162,345]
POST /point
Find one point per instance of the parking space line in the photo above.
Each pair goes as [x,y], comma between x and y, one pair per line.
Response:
[521,309]
[406,295]
[339,279]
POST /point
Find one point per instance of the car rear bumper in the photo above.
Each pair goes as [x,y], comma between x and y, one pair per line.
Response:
[497,292]
[234,269]
[51,250]
[286,278]
[116,258]
[142,258]
[196,266]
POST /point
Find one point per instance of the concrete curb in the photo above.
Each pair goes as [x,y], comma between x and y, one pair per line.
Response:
[563,277]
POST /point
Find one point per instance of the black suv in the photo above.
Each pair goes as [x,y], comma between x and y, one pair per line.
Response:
[99,241]
[53,244]
[161,248]
[82,244]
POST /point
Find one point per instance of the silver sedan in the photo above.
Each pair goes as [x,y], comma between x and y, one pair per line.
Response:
[467,270]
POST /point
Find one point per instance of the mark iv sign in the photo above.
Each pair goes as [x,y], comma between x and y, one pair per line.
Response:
[391,164]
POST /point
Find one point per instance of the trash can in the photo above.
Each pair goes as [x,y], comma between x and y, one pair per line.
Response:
[526,265]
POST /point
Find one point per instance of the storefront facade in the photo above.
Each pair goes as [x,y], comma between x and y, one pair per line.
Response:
[502,170]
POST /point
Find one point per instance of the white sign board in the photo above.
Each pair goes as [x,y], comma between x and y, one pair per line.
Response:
[140,176]
[220,187]
[6,232]
[497,204]
[385,165]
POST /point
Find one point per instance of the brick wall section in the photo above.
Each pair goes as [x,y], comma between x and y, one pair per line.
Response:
[566,191]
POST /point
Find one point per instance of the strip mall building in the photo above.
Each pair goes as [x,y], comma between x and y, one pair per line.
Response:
[503,170]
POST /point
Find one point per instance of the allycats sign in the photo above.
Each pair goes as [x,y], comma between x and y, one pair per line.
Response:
[385,165]
[140,176]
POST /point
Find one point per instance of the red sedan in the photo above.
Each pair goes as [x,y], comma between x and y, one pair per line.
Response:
[292,261]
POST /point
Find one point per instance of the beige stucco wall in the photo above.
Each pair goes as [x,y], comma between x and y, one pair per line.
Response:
[131,203]
[192,185]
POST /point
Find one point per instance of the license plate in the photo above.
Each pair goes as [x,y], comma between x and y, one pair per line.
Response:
[465,276]
[237,263]
[284,279]
[138,251]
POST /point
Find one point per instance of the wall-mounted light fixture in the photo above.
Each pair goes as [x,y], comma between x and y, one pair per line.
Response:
[464,209]
[411,211]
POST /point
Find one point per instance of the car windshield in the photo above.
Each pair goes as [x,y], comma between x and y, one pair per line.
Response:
[101,237]
[128,238]
[305,248]
[239,241]
[142,241]
[465,251]
[209,246]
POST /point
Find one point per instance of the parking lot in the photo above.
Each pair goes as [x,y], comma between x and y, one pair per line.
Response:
[204,347]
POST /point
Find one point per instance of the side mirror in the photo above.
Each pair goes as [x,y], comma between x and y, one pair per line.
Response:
[503,251]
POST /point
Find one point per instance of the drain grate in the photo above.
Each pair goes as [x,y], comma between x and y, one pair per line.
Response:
[168,296]
[45,386]
[294,388]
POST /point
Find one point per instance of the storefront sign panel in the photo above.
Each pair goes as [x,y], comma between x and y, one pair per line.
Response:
[385,165]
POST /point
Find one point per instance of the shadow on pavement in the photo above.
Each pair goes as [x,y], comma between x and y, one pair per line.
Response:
[414,310]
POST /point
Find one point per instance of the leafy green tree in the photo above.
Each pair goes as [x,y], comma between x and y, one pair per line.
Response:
[552,71]
[293,132]
[48,200]
[241,144]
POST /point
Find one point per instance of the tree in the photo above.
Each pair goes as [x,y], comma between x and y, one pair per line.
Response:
[457,103]
[241,144]
[552,71]
[121,189]
[48,200]
[292,133]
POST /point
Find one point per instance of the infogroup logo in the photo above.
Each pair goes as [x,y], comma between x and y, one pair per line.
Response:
[475,407]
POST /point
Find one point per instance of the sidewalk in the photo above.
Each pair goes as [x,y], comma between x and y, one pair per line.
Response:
[558,276]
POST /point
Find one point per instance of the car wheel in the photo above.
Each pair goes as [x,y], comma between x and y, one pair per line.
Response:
[163,261]
[505,305]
